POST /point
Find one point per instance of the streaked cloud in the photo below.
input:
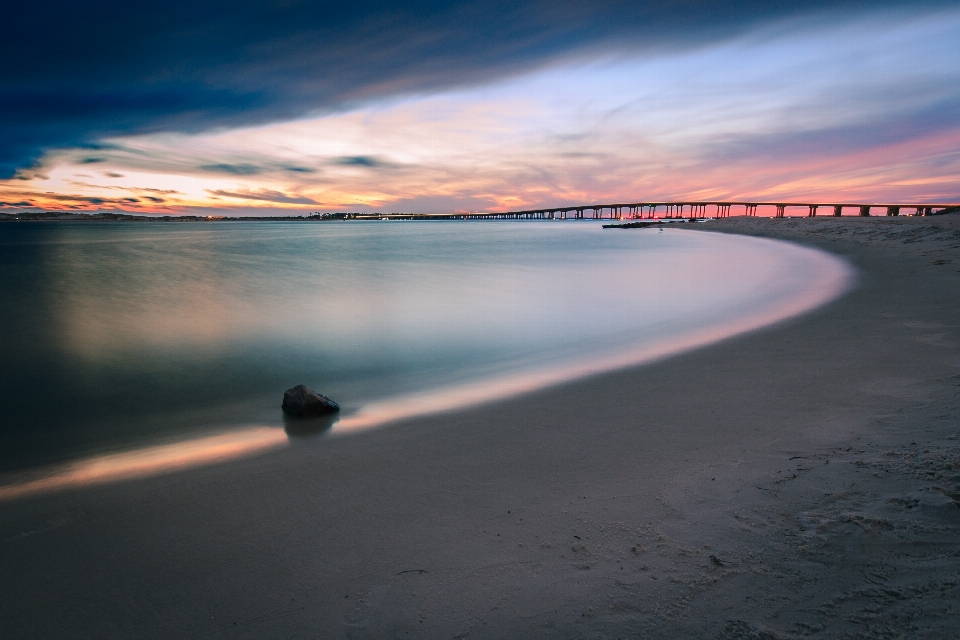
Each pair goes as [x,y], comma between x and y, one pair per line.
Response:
[205,65]
[359,161]
[242,169]
[803,107]
[265,195]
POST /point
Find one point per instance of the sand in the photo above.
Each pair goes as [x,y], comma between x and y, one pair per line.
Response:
[799,481]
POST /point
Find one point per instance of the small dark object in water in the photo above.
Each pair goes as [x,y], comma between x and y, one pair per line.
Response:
[301,402]
[630,225]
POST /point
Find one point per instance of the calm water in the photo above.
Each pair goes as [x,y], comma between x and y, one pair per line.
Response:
[120,335]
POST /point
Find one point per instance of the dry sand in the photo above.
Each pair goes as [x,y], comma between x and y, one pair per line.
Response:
[801,481]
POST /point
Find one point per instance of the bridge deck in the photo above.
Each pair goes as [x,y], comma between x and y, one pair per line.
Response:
[679,209]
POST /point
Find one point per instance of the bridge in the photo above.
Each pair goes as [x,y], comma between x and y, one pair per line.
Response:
[678,209]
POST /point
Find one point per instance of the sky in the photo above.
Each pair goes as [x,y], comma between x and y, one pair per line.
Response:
[298,107]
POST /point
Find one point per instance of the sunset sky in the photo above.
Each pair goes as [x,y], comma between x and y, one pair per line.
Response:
[296,107]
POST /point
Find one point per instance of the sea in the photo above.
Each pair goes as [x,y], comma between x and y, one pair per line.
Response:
[121,341]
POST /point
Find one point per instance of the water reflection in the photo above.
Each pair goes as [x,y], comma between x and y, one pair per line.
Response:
[143,462]
[309,427]
[830,278]
[157,331]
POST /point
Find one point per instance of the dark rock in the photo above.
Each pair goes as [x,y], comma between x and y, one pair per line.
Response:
[301,402]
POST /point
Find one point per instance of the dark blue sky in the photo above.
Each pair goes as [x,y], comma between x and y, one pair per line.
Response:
[77,71]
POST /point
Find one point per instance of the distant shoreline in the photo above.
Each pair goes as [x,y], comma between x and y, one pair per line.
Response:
[69,216]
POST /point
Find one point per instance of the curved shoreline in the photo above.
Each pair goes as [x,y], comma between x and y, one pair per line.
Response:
[834,280]
[831,279]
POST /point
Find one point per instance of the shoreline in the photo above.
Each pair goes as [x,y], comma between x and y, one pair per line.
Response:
[826,279]
[763,485]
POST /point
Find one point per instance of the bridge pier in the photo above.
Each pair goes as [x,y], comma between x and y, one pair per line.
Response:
[780,209]
[893,211]
[865,210]
[813,210]
[837,210]
[750,210]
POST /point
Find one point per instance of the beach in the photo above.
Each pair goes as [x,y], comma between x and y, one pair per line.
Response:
[801,480]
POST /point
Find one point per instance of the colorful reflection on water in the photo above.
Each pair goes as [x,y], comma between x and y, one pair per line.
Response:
[121,338]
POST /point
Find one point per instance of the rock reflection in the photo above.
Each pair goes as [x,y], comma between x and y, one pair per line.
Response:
[308,427]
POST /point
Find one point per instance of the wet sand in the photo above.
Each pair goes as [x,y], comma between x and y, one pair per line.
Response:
[799,481]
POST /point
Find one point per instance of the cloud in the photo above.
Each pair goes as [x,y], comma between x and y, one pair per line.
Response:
[161,191]
[234,169]
[206,64]
[790,108]
[266,195]
[359,161]
[90,199]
